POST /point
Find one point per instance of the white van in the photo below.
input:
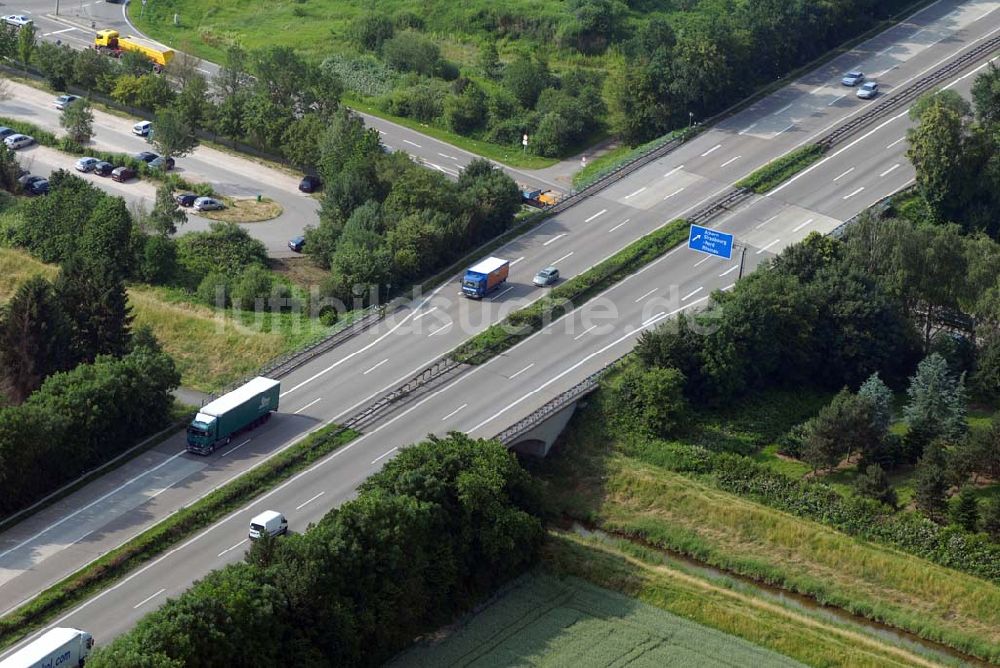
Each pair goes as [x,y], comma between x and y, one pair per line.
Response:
[269,521]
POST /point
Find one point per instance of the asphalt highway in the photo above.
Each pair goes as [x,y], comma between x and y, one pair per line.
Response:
[488,398]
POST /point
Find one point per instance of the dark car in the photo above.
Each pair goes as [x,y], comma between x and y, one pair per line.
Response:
[297,243]
[159,163]
[39,187]
[310,183]
[149,157]
[26,178]
[103,168]
[5,132]
[185,199]
[122,174]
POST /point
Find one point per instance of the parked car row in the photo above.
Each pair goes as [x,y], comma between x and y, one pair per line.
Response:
[198,203]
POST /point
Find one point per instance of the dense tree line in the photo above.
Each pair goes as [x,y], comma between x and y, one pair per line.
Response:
[856,313]
[270,98]
[955,148]
[664,64]
[386,221]
[438,529]
[78,418]
[77,221]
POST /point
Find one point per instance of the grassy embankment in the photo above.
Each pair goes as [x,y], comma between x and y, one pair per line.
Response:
[627,487]
[211,348]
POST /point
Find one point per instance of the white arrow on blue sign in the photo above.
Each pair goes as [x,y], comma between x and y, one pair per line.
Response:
[711,242]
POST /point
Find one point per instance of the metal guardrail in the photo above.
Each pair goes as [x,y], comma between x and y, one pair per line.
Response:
[726,202]
[909,93]
[285,364]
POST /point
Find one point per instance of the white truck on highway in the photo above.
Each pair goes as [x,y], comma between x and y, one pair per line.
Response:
[58,648]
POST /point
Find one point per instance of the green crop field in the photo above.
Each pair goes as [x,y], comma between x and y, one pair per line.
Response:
[549,621]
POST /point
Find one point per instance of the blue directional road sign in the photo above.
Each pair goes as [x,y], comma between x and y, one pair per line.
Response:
[711,242]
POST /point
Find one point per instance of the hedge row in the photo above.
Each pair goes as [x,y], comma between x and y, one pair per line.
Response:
[770,175]
[949,546]
[66,145]
[526,321]
[117,563]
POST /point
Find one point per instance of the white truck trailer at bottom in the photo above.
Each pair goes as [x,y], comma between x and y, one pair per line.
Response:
[58,648]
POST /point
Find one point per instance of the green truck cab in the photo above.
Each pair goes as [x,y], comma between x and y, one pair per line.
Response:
[245,407]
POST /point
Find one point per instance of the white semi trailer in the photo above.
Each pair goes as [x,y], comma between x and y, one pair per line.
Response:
[58,648]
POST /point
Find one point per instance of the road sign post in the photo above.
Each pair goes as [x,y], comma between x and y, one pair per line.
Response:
[711,242]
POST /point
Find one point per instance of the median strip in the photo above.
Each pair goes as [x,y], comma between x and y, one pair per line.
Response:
[114,565]
[777,171]
[526,321]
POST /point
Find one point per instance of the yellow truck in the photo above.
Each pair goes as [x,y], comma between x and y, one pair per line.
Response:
[113,44]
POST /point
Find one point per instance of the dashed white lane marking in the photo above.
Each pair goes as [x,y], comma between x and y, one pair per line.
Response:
[365,373]
[757,227]
[305,503]
[584,332]
[843,174]
[440,329]
[382,456]
[231,451]
[229,549]
[676,192]
[554,239]
[646,295]
[677,168]
[599,213]
[852,194]
[709,151]
[764,248]
[306,406]
[692,293]
[516,261]
[890,170]
[431,309]
[630,195]
[895,142]
[619,225]
[729,271]
[146,600]
[563,257]
[731,161]
[802,225]
[454,412]
[412,143]
[521,371]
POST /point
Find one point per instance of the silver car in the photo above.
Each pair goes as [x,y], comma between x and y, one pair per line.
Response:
[546,276]
[64,101]
[16,141]
[853,78]
[208,204]
[86,164]
[868,90]
[17,20]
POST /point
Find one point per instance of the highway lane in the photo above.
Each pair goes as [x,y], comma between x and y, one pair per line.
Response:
[519,381]
[378,360]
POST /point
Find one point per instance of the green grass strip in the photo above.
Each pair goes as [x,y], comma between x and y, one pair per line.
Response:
[67,145]
[561,300]
[614,159]
[782,169]
[119,562]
